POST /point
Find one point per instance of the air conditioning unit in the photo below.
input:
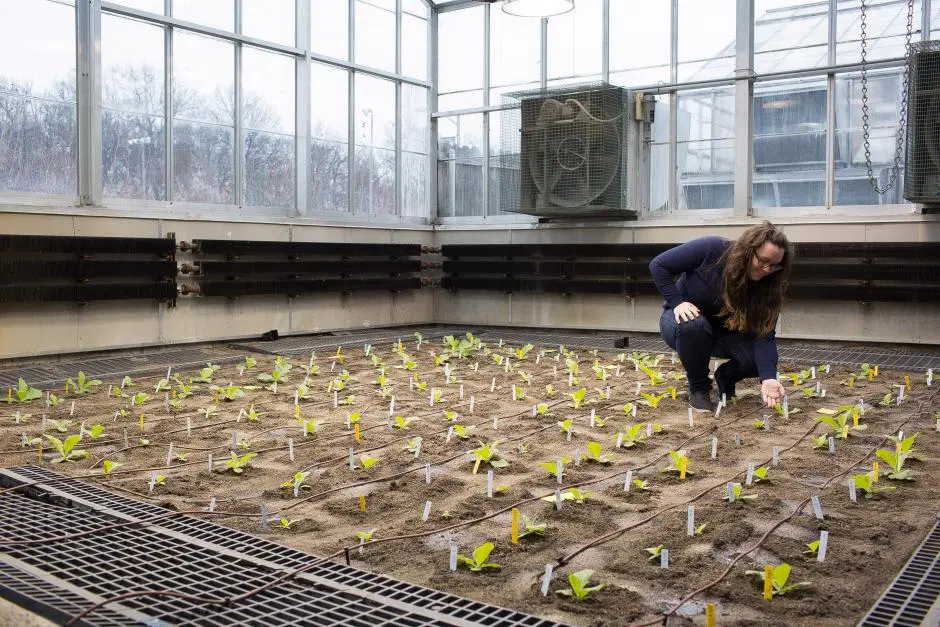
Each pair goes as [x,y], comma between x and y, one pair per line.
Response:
[922,164]
[574,152]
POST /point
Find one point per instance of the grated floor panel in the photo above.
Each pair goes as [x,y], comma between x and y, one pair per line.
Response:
[194,557]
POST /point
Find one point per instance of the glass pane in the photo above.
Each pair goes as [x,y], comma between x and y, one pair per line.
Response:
[460,100]
[639,48]
[203,79]
[268,90]
[133,155]
[705,150]
[269,169]
[328,177]
[706,39]
[215,13]
[203,158]
[151,6]
[505,162]
[133,146]
[934,21]
[329,28]
[790,144]
[271,20]
[460,56]
[375,36]
[852,186]
[414,118]
[375,144]
[460,165]
[574,42]
[885,27]
[131,65]
[659,156]
[414,47]
[790,34]
[515,51]
[38,135]
[414,174]
[416,7]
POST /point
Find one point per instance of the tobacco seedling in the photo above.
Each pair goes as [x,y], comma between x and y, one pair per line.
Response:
[655,376]
[760,474]
[571,494]
[237,463]
[140,398]
[779,578]
[208,411]
[566,425]
[532,528]
[181,457]
[252,415]
[601,422]
[552,467]
[62,426]
[478,562]
[839,425]
[654,551]
[821,441]
[108,466]
[652,399]
[159,480]
[368,462]
[400,422]
[866,483]
[522,352]
[812,548]
[541,409]
[309,426]
[414,445]
[594,454]
[641,484]
[490,454]
[231,392]
[759,423]
[628,409]
[249,363]
[83,385]
[700,529]
[550,391]
[298,481]
[577,397]
[365,536]
[163,385]
[580,590]
[632,435]
[66,449]
[22,393]
[55,400]
[602,394]
[205,374]
[738,495]
[285,523]
[186,390]
[463,432]
[96,431]
[672,391]
[679,463]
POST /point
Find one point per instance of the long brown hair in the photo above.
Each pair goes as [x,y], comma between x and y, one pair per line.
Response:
[753,305]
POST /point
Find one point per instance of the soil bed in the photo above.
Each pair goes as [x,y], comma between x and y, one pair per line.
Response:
[869,540]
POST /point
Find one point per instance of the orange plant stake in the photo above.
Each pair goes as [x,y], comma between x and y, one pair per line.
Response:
[356,431]
[768,582]
[362,502]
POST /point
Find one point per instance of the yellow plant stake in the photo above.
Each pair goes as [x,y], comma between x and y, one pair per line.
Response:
[768,582]
[709,615]
[514,535]
[174,394]
[871,374]
[907,382]
[297,411]
[362,502]
[141,423]
[356,433]
[683,465]
[855,421]
[845,431]
[851,380]
[876,371]
[874,472]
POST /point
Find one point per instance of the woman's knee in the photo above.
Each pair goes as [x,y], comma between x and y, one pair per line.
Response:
[695,326]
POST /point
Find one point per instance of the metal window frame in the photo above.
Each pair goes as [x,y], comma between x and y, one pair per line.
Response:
[88,101]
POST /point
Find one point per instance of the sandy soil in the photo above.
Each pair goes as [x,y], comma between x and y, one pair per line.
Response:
[869,540]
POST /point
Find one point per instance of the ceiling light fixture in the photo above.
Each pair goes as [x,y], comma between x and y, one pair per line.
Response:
[537,8]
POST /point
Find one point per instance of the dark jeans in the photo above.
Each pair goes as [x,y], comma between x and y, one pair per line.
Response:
[698,340]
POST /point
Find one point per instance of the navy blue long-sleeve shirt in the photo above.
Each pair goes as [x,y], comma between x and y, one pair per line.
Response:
[697,263]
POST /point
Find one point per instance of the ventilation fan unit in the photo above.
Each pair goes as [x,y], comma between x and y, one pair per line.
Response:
[922,164]
[570,150]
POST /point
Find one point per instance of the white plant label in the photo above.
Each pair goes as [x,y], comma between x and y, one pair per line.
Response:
[818,387]
[724,399]
[81,431]
[234,446]
[570,379]
[823,393]
[427,473]
[730,492]
[453,555]
[418,449]
[127,443]
[489,484]
[649,429]
[812,372]
[664,558]
[558,499]
[290,448]
[471,404]
[853,495]
[737,439]
[638,386]
[547,578]
[495,423]
[750,474]
[832,445]
[817,507]
[767,423]
[450,433]
[633,411]
[427,511]
[827,368]
[717,410]
[461,391]
[493,385]
[153,480]
[620,438]
[774,456]
[212,504]
[618,370]
[72,410]
[690,522]
[189,425]
[209,460]
[391,406]
[241,413]
[628,481]
[930,376]
[691,419]
[559,470]
[823,546]
[568,434]
[577,457]
[593,414]
[264,515]
[169,454]
[714,447]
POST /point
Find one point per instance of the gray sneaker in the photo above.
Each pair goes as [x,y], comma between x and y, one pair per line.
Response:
[700,401]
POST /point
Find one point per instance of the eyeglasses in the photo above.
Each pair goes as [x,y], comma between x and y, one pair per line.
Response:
[766,264]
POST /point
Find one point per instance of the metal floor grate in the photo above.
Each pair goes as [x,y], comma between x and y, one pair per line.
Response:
[913,598]
[197,557]
[54,373]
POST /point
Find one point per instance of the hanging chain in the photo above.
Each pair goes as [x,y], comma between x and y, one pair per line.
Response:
[866,128]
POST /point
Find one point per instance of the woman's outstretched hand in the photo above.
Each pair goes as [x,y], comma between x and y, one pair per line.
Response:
[773,392]
[685,311]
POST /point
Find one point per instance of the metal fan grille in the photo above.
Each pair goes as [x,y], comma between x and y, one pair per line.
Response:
[922,163]
[563,151]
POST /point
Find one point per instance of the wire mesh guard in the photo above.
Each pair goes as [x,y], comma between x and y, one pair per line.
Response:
[563,151]
[59,578]
[922,163]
